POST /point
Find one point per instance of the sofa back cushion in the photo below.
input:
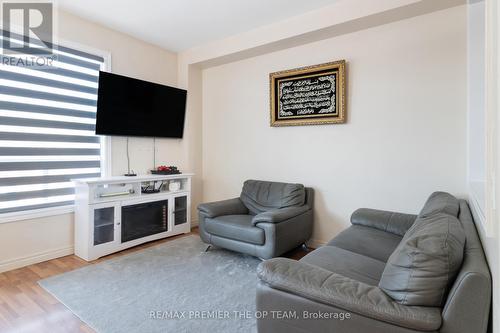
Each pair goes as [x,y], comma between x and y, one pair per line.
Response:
[260,196]
[440,202]
[425,263]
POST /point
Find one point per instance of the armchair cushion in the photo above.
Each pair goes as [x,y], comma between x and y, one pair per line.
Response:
[224,207]
[395,223]
[259,196]
[279,215]
[237,227]
[334,289]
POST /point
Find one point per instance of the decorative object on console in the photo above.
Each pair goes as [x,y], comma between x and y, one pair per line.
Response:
[151,187]
[174,186]
[308,95]
[166,170]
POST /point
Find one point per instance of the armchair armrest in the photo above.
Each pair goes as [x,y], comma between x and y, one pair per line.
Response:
[224,207]
[326,287]
[279,215]
[395,223]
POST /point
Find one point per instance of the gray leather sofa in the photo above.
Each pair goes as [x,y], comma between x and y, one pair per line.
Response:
[390,272]
[267,220]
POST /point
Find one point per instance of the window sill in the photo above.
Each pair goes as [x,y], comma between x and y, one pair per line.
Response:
[37,213]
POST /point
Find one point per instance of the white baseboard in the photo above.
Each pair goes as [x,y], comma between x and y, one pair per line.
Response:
[35,258]
[315,243]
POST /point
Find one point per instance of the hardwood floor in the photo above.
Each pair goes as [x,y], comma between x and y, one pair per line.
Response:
[25,307]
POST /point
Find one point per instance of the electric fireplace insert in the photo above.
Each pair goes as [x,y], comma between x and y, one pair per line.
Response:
[144,219]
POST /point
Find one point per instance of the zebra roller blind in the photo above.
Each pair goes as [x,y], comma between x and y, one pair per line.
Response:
[47,123]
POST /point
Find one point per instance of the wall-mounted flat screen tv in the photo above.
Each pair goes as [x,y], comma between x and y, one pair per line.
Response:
[132,107]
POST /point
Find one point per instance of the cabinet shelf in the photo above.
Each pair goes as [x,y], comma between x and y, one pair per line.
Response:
[104,225]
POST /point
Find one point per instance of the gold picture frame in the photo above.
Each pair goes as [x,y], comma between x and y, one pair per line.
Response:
[312,95]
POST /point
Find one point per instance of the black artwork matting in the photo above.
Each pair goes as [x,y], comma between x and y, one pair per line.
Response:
[313,102]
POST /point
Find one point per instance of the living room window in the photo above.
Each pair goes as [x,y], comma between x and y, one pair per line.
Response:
[47,123]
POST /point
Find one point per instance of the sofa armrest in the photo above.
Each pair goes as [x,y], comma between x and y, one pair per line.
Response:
[395,223]
[326,287]
[224,207]
[279,215]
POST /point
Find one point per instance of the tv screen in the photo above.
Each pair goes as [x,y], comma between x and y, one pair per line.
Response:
[132,107]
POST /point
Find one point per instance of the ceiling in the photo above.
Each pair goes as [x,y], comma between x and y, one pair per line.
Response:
[178,25]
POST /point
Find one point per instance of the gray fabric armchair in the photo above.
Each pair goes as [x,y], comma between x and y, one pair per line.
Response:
[267,220]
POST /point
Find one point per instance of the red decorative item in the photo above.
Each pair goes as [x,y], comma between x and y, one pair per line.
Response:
[165,170]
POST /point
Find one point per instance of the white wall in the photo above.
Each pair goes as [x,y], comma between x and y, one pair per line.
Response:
[476,109]
[406,130]
[476,93]
[28,241]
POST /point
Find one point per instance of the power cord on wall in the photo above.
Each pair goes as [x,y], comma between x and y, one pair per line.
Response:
[154,153]
[129,174]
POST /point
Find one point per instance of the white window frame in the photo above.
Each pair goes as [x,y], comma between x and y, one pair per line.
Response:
[106,155]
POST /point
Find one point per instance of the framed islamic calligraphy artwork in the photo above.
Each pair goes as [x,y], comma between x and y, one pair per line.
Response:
[308,95]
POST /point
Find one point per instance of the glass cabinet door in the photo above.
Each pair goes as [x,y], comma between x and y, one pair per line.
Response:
[180,210]
[104,225]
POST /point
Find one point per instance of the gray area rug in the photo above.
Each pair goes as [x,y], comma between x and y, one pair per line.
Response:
[172,287]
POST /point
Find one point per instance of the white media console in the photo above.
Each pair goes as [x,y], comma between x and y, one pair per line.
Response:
[112,214]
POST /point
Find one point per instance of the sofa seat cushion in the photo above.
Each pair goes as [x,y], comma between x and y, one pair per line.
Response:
[425,263]
[236,227]
[346,263]
[370,242]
